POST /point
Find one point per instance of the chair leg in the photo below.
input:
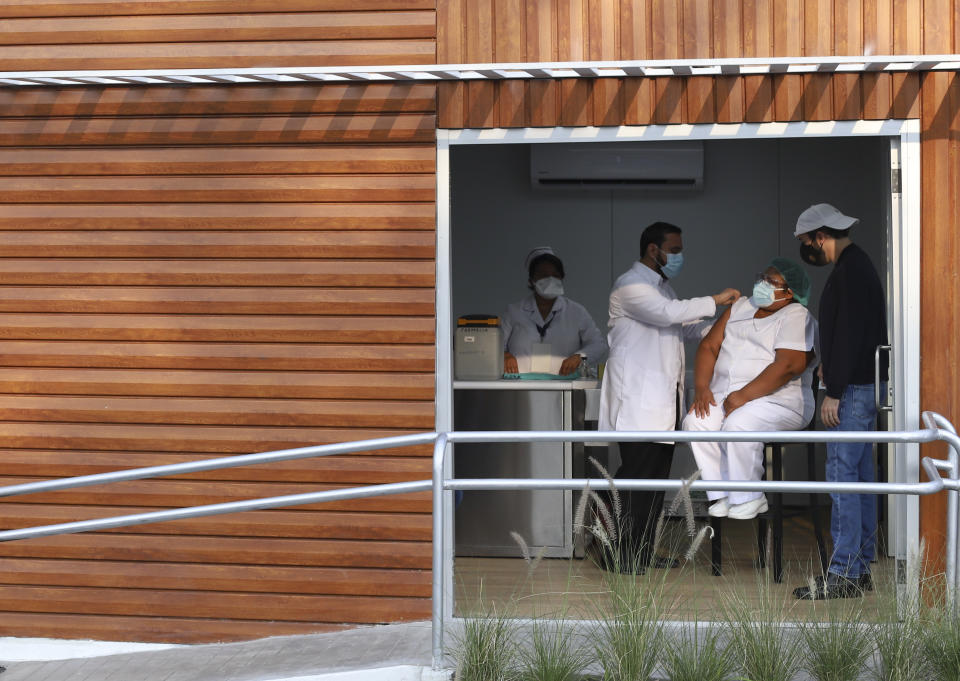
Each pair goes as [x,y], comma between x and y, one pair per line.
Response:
[777,516]
[716,548]
[762,542]
[814,502]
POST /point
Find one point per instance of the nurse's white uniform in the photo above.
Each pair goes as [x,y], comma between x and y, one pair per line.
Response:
[749,346]
[569,329]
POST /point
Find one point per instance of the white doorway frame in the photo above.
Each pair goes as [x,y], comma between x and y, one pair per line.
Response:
[904,265]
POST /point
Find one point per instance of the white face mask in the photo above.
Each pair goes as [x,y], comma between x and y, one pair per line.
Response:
[549,287]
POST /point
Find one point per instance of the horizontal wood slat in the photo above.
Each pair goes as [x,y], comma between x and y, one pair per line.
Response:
[176,493]
[226,245]
[301,160]
[385,25]
[242,356]
[64,8]
[285,524]
[145,272]
[182,629]
[407,463]
[210,188]
[237,100]
[214,411]
[160,438]
[220,216]
[235,578]
[293,129]
[225,550]
[290,607]
[288,384]
[202,55]
[260,328]
[184,300]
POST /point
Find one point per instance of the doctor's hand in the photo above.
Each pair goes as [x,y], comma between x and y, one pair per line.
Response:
[570,364]
[734,401]
[727,296]
[510,364]
[830,412]
[703,399]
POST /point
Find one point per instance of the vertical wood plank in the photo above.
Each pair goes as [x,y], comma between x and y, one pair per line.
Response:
[604,29]
[450,32]
[571,30]
[936,28]
[787,98]
[608,101]
[665,36]
[787,41]
[907,26]
[700,105]
[729,97]
[635,38]
[938,243]
[906,95]
[479,31]
[877,88]
[510,47]
[697,24]
[541,31]
[543,103]
[638,101]
[451,105]
[758,31]
[758,97]
[668,100]
[481,104]
[818,28]
[509,19]
[818,97]
[576,101]
[848,39]
[728,42]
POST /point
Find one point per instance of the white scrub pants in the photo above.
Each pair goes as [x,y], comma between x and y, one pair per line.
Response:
[737,460]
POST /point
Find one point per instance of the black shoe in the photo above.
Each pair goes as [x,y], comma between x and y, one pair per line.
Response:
[834,586]
[865,582]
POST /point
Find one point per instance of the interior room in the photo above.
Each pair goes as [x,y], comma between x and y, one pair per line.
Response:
[737,210]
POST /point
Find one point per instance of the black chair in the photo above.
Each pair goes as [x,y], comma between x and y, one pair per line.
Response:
[776,513]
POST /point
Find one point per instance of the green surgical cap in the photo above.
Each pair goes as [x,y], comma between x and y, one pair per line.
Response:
[796,278]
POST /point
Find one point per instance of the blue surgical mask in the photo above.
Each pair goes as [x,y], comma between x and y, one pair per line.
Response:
[549,287]
[763,294]
[673,266]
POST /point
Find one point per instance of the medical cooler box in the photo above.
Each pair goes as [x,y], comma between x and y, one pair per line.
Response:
[478,348]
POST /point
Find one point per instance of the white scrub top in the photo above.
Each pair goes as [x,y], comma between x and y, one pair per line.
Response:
[645,372]
[750,345]
[569,329]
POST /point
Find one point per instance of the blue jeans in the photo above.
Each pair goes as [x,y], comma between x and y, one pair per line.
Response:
[853,521]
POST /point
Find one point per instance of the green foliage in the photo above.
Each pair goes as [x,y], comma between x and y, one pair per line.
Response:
[555,653]
[486,649]
[699,654]
[839,646]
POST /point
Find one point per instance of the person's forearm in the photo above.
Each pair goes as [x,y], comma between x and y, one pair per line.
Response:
[774,377]
[703,366]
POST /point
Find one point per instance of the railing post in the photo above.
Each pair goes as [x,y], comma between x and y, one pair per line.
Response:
[948,434]
[439,452]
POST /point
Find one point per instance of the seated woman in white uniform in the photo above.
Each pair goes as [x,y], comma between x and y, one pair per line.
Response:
[547,332]
[753,372]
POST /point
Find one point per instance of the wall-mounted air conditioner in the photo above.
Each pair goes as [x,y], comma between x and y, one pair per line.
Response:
[643,166]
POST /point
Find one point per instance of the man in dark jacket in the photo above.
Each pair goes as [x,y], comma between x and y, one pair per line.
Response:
[853,322]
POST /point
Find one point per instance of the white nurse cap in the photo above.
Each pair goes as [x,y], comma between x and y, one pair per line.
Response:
[536,253]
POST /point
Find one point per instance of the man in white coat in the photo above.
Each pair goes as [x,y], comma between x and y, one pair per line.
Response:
[644,375]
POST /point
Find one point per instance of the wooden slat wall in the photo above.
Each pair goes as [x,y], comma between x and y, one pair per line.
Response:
[561,30]
[119,34]
[191,273]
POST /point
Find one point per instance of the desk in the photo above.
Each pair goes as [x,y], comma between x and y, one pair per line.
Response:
[484,520]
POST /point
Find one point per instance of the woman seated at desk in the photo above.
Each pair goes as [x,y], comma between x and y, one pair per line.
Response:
[753,371]
[547,332]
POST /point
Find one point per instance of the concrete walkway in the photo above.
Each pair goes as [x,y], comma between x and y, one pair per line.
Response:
[396,652]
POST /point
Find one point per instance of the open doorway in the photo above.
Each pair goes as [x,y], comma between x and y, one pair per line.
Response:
[753,188]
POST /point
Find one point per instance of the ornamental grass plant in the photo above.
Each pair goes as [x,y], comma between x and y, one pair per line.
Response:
[699,654]
[839,644]
[486,648]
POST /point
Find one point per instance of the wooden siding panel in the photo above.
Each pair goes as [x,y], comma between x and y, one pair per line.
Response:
[172,295]
[65,8]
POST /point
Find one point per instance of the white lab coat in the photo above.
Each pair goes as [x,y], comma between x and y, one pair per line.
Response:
[571,330]
[749,346]
[644,374]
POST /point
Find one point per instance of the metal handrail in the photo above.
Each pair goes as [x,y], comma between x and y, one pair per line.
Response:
[938,429]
